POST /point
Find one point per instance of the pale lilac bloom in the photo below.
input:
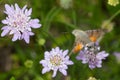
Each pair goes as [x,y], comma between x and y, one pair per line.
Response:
[117,55]
[92,56]
[56,60]
[19,23]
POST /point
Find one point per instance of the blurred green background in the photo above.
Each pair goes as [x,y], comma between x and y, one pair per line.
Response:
[20,61]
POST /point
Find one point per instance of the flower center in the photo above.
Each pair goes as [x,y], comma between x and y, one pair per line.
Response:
[55,60]
[19,21]
[90,56]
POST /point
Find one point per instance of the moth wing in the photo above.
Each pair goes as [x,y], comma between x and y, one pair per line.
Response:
[95,35]
[81,39]
[81,36]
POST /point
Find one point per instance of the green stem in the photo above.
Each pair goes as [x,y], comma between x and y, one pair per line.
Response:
[111,18]
[70,53]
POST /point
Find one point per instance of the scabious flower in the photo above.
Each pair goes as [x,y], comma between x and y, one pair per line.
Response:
[56,60]
[113,2]
[65,3]
[19,23]
[92,78]
[92,56]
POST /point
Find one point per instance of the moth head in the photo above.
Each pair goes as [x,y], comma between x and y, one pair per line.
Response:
[92,46]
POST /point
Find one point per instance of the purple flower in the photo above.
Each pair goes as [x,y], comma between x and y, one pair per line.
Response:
[56,60]
[92,56]
[19,23]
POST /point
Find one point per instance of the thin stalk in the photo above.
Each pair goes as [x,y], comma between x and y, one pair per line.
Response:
[111,18]
[70,53]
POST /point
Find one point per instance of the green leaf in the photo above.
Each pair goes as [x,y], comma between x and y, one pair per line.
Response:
[53,12]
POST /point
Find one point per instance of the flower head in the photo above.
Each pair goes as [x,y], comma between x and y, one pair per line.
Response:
[113,2]
[65,3]
[19,23]
[92,78]
[92,56]
[56,60]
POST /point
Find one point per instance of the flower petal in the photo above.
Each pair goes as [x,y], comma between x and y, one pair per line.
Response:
[29,12]
[17,7]
[31,33]
[102,55]
[65,52]
[9,9]
[63,67]
[26,37]
[47,54]
[23,9]
[54,73]
[57,49]
[5,27]
[63,71]
[26,10]
[99,65]
[6,31]
[16,36]
[91,66]
[12,31]
[34,23]
[80,55]
[44,70]
[5,21]
[69,63]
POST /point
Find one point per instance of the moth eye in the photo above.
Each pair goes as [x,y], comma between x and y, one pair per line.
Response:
[89,47]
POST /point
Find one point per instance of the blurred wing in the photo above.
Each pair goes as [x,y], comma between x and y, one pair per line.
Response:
[81,36]
[81,39]
[95,35]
